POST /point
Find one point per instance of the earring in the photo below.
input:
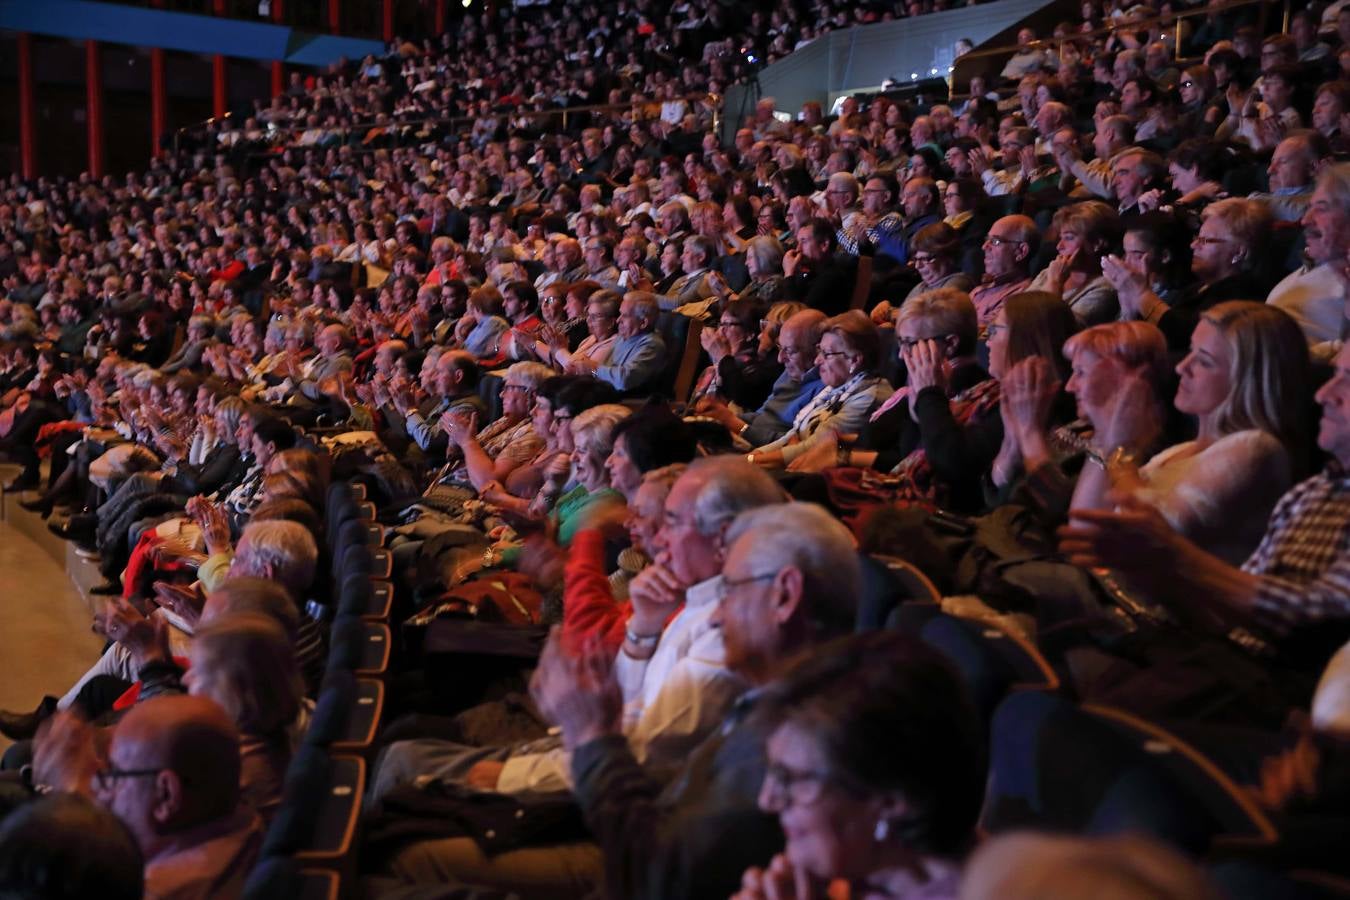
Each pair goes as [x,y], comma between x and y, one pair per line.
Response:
[882,831]
[1236,259]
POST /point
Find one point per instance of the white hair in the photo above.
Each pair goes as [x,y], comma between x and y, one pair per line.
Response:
[808,538]
[730,487]
[287,547]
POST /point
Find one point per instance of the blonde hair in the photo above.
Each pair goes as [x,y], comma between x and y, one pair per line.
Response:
[1268,370]
[947,310]
[593,430]
[1139,345]
[1094,221]
[1249,221]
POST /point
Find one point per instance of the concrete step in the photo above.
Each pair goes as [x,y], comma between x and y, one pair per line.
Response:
[83,573]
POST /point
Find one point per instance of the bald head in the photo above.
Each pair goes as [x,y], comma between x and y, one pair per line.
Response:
[798,340]
[193,748]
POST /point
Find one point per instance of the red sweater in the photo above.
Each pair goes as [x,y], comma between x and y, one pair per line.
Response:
[589,607]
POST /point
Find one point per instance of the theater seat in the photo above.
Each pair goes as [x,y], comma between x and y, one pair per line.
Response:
[992,661]
[359,646]
[365,598]
[347,715]
[1091,770]
[316,823]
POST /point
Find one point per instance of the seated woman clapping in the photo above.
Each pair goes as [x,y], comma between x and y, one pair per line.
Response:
[1244,380]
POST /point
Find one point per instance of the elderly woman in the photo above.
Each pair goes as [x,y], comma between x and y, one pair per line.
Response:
[494,452]
[1246,383]
[935,250]
[1226,260]
[961,433]
[482,327]
[764,263]
[848,356]
[602,321]
[592,441]
[1087,232]
[892,819]
[741,373]
[890,434]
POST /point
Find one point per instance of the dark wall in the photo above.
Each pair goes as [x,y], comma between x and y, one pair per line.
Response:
[61,101]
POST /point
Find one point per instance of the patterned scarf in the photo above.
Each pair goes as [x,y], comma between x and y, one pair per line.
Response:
[828,402]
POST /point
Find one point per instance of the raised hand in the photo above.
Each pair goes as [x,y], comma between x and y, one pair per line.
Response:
[576,690]
[927,366]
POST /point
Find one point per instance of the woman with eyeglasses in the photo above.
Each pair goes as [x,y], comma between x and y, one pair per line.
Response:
[864,816]
[847,359]
[1227,262]
[935,252]
[741,373]
[947,318]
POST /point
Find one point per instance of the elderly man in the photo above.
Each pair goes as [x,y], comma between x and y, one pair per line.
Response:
[638,354]
[1292,171]
[454,387]
[1008,250]
[813,274]
[1296,584]
[1134,172]
[1315,294]
[697,256]
[790,579]
[172,776]
[1094,176]
[674,680]
[800,381]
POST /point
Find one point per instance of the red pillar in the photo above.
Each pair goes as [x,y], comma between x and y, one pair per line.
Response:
[387,20]
[159,100]
[93,86]
[278,67]
[27,105]
[220,101]
[438,18]
[335,16]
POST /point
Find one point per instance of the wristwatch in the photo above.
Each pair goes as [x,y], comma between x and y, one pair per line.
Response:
[644,641]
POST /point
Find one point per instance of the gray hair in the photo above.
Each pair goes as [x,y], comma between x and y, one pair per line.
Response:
[593,430]
[731,486]
[807,538]
[1335,181]
[528,374]
[767,252]
[287,547]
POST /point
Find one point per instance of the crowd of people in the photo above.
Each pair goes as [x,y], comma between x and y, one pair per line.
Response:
[1068,350]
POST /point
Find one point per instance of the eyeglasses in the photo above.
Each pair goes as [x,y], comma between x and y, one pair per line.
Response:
[1204,241]
[922,258]
[1188,83]
[785,787]
[727,584]
[517,387]
[907,343]
[994,240]
[830,354]
[106,778]
[730,324]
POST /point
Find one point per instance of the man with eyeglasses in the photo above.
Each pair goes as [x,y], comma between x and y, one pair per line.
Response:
[789,581]
[172,776]
[1008,250]
[800,381]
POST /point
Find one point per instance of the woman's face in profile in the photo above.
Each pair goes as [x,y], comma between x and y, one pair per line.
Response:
[829,826]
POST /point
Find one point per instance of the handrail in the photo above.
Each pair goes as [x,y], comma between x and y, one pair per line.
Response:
[1059,40]
[459,121]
